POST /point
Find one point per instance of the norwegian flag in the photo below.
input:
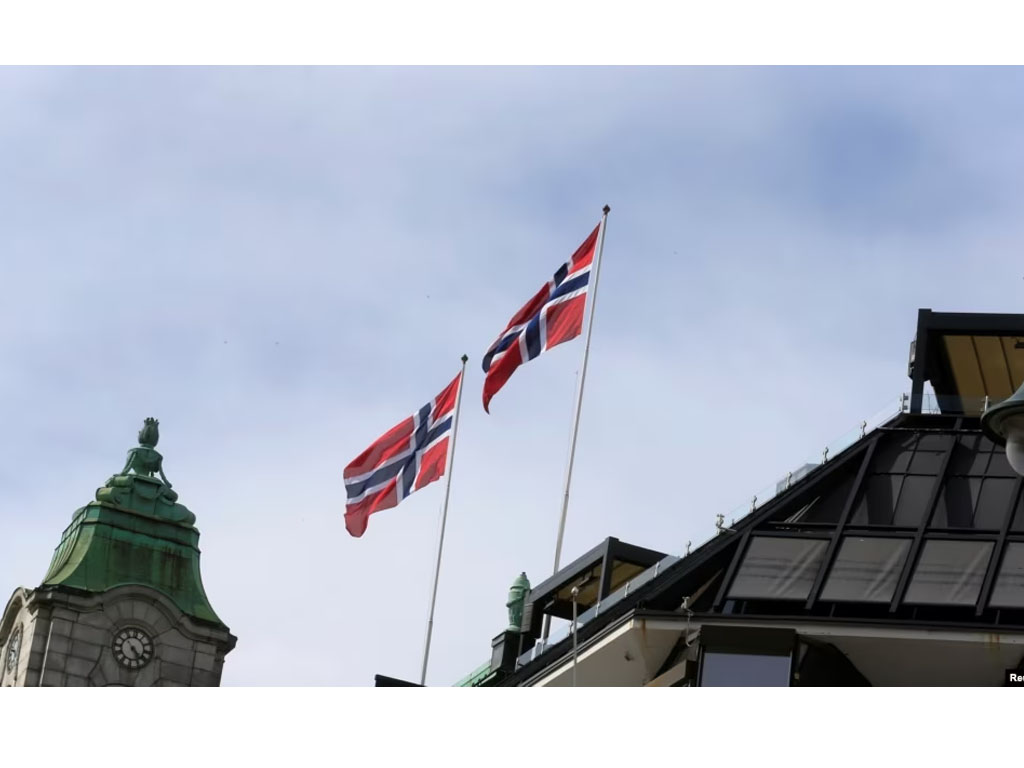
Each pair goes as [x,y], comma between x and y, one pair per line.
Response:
[407,457]
[554,315]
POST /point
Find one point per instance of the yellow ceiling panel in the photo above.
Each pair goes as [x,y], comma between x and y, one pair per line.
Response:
[993,367]
[963,360]
[623,572]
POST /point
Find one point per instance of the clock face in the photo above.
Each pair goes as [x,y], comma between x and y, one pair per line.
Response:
[13,650]
[132,648]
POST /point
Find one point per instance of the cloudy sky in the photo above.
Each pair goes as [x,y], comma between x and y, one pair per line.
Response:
[280,264]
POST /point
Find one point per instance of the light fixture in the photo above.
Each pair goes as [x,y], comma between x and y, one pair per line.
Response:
[1004,424]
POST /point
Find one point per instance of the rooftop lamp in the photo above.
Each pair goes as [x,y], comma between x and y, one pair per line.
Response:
[1004,425]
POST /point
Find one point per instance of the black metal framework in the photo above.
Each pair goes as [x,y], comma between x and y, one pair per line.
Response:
[594,569]
[938,498]
[830,504]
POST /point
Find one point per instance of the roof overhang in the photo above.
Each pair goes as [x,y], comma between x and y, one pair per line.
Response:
[967,357]
[596,574]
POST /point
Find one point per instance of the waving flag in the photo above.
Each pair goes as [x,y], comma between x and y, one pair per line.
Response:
[554,315]
[407,457]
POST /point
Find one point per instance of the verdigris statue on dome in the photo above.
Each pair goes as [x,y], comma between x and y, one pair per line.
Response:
[137,489]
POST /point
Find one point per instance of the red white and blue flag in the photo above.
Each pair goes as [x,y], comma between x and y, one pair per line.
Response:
[407,457]
[554,315]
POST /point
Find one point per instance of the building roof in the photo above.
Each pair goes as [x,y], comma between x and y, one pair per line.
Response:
[135,533]
[914,525]
[918,525]
[967,357]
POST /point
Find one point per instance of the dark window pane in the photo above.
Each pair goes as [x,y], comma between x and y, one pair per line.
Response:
[829,508]
[1000,467]
[934,442]
[878,500]
[994,502]
[957,502]
[967,459]
[926,462]
[826,506]
[866,570]
[949,572]
[894,453]
[913,501]
[1008,591]
[1018,516]
[778,569]
[743,669]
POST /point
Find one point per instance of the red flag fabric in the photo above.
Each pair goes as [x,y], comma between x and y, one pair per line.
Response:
[407,457]
[554,315]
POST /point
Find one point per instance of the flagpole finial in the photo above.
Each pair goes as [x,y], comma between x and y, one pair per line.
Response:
[607,209]
[465,359]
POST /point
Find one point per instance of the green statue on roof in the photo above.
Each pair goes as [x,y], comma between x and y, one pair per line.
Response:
[145,459]
[516,600]
[137,489]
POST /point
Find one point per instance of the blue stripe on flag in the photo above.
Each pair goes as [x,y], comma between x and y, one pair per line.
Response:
[573,284]
[381,475]
[561,273]
[532,333]
[419,441]
[503,343]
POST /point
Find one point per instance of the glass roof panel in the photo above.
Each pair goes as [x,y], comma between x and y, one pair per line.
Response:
[994,502]
[949,572]
[1008,591]
[866,570]
[778,568]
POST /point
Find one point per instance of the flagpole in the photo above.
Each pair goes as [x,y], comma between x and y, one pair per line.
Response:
[579,401]
[449,467]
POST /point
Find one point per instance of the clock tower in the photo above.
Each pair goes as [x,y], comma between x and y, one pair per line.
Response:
[122,602]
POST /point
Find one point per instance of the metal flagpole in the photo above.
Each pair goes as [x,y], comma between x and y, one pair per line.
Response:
[449,466]
[579,400]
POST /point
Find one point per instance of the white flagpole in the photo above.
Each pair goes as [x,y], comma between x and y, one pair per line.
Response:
[579,399]
[448,468]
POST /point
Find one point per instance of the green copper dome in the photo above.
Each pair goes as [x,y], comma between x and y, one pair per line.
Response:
[135,532]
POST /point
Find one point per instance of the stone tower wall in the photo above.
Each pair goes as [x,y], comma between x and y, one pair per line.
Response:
[68,639]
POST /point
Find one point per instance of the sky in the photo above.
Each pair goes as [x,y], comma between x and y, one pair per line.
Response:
[281,263]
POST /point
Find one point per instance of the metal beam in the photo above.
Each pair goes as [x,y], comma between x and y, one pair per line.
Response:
[915,546]
[833,545]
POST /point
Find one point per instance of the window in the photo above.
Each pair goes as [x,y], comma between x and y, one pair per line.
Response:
[913,501]
[949,572]
[1008,591]
[957,502]
[744,669]
[866,570]
[994,503]
[1000,467]
[895,452]
[778,568]
[878,501]
[828,500]
[974,502]
[967,458]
